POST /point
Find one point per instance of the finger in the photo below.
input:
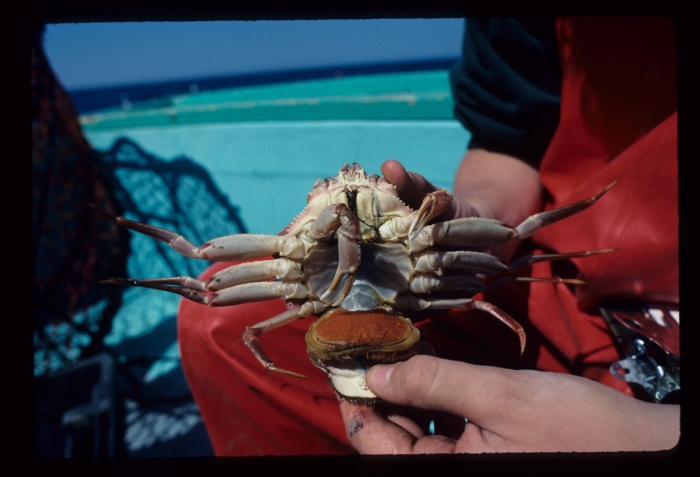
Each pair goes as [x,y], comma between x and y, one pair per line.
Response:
[426,382]
[408,424]
[421,422]
[412,186]
[434,445]
[416,421]
[370,432]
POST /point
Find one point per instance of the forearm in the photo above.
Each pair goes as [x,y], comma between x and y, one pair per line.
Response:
[497,186]
[649,427]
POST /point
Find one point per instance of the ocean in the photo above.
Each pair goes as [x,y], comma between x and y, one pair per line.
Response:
[88,100]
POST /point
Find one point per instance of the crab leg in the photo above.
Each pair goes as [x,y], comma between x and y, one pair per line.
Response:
[502,316]
[483,263]
[187,287]
[481,232]
[223,249]
[535,222]
[434,204]
[339,217]
[251,333]
[529,260]
[244,293]
[254,272]
[247,272]
[475,262]
[414,303]
[426,283]
[501,282]
[161,283]
[398,228]
[469,232]
[248,292]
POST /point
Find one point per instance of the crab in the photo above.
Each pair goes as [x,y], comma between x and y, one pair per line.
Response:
[361,259]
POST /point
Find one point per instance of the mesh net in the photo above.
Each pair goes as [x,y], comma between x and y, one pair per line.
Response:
[74,247]
[71,249]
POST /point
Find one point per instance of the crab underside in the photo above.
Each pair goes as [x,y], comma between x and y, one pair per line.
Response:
[359,257]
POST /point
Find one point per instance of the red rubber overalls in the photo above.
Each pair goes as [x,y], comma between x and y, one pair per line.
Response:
[618,119]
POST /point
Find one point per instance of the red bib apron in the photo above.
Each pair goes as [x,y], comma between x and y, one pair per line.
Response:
[617,120]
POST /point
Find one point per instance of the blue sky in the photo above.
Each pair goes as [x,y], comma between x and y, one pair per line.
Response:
[91,55]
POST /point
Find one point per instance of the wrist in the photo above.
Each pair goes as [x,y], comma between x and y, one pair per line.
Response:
[497,186]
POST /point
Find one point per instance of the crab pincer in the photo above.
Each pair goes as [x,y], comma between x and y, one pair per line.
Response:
[349,236]
[434,204]
[360,258]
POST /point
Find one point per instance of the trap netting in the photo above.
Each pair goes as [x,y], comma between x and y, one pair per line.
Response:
[71,249]
[177,195]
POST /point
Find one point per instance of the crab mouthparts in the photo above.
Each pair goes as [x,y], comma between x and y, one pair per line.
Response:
[352,173]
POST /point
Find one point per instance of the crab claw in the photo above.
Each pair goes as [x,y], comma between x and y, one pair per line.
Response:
[434,203]
[349,237]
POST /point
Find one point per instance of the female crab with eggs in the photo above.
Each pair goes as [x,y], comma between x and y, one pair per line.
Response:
[359,257]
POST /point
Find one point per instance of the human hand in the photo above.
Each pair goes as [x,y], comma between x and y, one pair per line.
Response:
[507,411]
[487,184]
[413,187]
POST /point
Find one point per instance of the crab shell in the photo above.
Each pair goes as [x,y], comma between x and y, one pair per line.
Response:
[345,344]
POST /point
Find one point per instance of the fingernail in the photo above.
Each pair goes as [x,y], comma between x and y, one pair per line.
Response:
[426,348]
[379,375]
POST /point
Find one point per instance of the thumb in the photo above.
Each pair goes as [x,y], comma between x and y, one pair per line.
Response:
[411,185]
[436,384]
